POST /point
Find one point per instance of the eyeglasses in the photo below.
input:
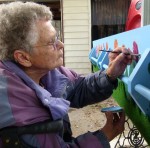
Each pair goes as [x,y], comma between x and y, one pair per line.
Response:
[54,44]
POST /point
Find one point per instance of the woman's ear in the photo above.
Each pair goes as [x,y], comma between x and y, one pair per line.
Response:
[22,57]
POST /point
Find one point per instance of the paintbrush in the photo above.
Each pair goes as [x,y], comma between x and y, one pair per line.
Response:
[138,55]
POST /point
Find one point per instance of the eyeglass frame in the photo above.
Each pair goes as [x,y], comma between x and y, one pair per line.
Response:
[54,44]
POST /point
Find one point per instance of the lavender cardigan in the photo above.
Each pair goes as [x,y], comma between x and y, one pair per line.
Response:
[23,102]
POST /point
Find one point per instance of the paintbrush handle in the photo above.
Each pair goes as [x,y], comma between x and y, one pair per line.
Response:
[120,52]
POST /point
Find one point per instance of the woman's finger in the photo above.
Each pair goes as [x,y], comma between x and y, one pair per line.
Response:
[109,117]
[115,117]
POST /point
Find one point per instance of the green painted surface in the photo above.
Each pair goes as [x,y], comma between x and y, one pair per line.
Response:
[95,68]
[141,121]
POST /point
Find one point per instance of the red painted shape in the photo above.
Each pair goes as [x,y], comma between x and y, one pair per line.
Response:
[134,15]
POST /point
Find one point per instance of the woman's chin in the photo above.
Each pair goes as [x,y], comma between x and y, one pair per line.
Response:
[60,63]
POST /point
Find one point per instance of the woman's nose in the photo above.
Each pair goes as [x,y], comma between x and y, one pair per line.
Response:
[59,45]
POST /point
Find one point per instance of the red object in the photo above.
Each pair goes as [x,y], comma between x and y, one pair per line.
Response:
[134,15]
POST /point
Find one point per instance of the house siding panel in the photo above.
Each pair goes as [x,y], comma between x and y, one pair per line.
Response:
[77,35]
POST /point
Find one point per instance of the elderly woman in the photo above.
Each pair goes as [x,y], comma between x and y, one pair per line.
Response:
[35,87]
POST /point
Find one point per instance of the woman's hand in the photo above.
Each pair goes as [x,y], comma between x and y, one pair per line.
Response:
[114,124]
[118,62]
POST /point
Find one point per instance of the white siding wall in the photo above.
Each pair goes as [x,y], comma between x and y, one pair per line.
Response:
[77,35]
[146,12]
